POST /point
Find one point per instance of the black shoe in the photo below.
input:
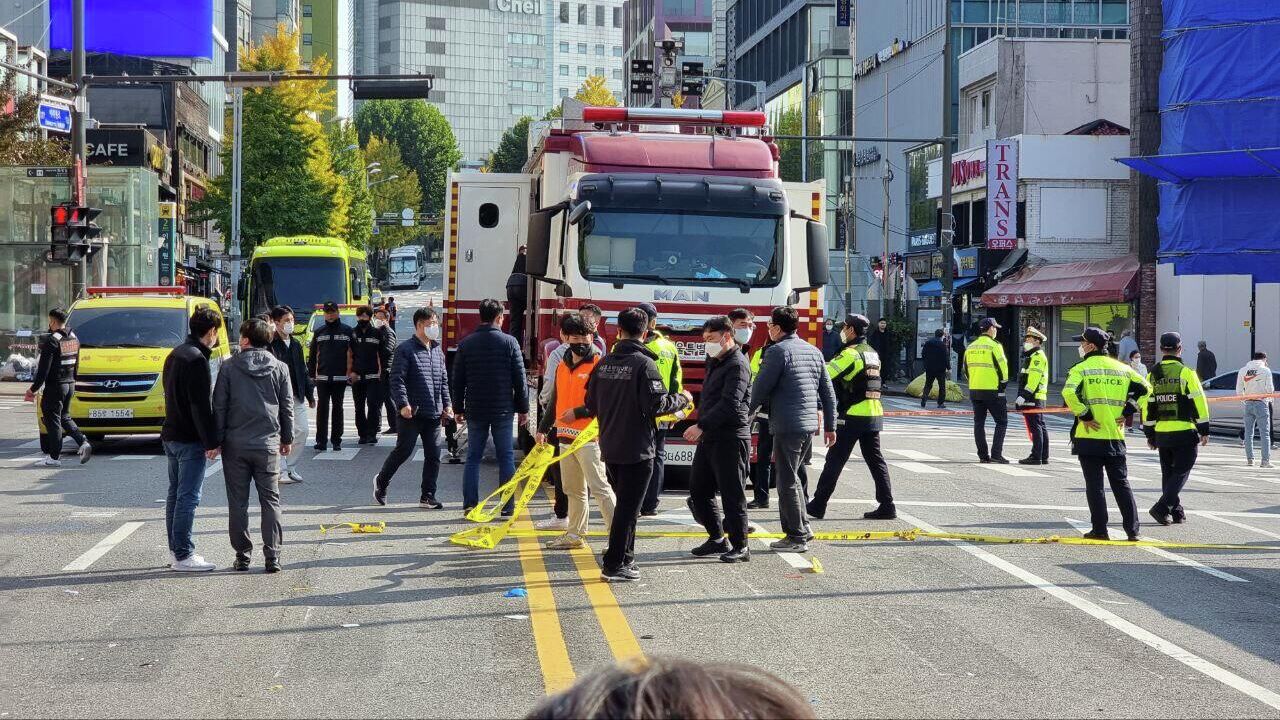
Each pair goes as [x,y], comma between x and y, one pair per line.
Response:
[757,505]
[712,547]
[1091,535]
[379,492]
[1000,460]
[626,573]
[941,407]
[320,447]
[506,512]
[1160,516]
[984,460]
[337,446]
[429,502]
[1133,538]
[389,431]
[923,405]
[241,564]
[815,513]
[737,555]
[648,513]
[273,565]
[366,441]
[881,513]
[455,460]
[1030,461]
[1179,515]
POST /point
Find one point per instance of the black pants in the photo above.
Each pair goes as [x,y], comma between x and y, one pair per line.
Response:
[408,432]
[762,468]
[848,435]
[1175,467]
[1117,470]
[629,484]
[388,404]
[367,395]
[55,408]
[561,504]
[329,394]
[929,379]
[1039,434]
[989,401]
[650,504]
[721,465]
[517,304]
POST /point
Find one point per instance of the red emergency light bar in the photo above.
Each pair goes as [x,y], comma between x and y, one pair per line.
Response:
[672,115]
[138,290]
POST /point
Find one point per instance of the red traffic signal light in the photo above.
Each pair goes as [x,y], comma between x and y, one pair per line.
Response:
[63,214]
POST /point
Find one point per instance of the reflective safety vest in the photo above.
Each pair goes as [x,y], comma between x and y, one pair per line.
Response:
[987,365]
[1176,403]
[1035,376]
[1097,389]
[571,392]
[668,361]
[855,372]
[755,362]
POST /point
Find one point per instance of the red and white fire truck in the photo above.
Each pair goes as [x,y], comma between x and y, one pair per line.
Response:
[618,206]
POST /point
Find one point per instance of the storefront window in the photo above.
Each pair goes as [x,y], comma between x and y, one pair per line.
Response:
[1073,319]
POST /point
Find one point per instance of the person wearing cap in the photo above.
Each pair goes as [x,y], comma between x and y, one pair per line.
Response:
[1100,391]
[1176,422]
[937,364]
[329,363]
[988,375]
[1033,392]
[673,375]
[855,373]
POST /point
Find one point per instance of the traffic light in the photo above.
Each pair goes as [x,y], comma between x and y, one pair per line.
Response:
[390,89]
[641,86]
[71,232]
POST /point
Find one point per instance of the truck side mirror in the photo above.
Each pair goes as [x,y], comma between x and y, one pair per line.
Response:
[538,242]
[578,211]
[817,254]
[240,287]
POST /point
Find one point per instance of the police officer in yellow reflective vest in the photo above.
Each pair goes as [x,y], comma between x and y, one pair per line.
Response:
[1176,422]
[988,374]
[855,372]
[1101,391]
[669,367]
[1033,392]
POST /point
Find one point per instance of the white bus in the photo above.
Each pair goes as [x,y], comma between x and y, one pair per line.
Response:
[405,267]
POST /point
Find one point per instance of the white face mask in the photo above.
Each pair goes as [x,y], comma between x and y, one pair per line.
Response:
[1028,346]
[433,332]
[713,349]
[287,328]
[1138,361]
[1080,349]
[378,323]
[742,335]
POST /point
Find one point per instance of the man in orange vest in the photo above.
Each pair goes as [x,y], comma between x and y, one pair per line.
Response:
[583,469]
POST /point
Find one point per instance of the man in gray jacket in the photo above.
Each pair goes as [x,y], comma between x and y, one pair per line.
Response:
[253,421]
[793,382]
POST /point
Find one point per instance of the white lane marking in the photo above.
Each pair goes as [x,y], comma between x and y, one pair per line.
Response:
[23,459]
[214,468]
[135,457]
[918,468]
[1083,527]
[103,547]
[343,454]
[1186,657]
[912,454]
[1014,470]
[1233,523]
[93,514]
[1198,478]
[30,445]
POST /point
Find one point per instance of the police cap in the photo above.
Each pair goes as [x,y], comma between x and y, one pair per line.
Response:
[988,323]
[649,310]
[1170,341]
[859,323]
[1095,336]
[1034,333]
[330,307]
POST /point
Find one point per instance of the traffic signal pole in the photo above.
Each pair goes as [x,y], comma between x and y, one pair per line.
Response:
[79,117]
[947,229]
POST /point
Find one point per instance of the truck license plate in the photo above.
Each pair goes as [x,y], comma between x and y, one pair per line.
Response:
[111,414]
[678,454]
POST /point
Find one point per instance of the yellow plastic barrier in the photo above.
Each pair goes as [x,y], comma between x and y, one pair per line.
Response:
[374,527]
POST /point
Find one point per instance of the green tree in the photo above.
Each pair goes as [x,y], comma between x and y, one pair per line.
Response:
[349,164]
[392,196]
[790,122]
[425,139]
[513,148]
[289,186]
[19,145]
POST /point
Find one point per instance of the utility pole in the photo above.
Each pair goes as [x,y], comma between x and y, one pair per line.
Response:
[233,243]
[947,231]
[79,117]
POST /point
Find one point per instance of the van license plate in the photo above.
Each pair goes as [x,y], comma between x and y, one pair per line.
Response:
[678,454]
[111,414]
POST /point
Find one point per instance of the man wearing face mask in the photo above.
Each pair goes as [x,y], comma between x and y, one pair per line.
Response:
[381,319]
[370,358]
[329,363]
[723,435]
[288,350]
[831,339]
[855,373]
[188,433]
[1100,391]
[988,375]
[1033,392]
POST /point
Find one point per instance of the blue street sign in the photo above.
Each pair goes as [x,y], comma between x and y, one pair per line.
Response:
[54,117]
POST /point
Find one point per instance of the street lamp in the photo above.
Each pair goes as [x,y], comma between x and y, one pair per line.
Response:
[386,179]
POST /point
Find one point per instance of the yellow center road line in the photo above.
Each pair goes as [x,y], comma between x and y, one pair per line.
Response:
[613,622]
[548,636]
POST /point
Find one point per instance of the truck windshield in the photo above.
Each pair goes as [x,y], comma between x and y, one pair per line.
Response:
[299,282]
[685,247]
[129,327]
[404,265]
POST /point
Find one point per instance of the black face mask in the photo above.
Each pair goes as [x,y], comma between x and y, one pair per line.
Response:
[582,350]
[362,322]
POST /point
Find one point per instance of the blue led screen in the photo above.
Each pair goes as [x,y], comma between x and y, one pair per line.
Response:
[151,28]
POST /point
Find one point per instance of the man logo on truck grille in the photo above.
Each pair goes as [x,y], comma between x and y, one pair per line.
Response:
[702,296]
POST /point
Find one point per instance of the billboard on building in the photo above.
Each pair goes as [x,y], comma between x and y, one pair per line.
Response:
[1002,194]
[130,27]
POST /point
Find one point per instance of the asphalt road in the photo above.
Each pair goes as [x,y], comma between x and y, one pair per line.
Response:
[404,624]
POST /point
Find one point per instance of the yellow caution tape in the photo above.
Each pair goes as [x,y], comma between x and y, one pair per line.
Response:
[816,567]
[375,527]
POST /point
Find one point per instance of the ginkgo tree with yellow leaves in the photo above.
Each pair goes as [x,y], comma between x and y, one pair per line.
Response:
[289,185]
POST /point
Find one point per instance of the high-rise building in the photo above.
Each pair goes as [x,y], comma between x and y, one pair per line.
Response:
[328,30]
[586,39]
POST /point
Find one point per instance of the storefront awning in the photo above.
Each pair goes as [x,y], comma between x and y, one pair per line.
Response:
[933,288]
[1079,283]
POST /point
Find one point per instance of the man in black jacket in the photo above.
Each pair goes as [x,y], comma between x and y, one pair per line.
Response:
[329,363]
[517,296]
[628,395]
[370,360]
[937,363]
[289,351]
[56,373]
[190,439]
[723,435]
[382,318]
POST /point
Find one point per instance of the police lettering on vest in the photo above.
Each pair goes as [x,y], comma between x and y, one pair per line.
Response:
[1169,401]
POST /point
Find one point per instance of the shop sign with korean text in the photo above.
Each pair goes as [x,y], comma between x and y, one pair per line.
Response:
[1002,194]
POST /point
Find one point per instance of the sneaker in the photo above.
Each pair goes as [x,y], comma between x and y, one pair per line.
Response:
[712,547]
[554,523]
[319,447]
[881,513]
[287,479]
[389,431]
[626,573]
[1000,460]
[756,505]
[568,541]
[737,555]
[379,494]
[789,545]
[1029,461]
[1096,535]
[273,565]
[295,476]
[430,503]
[1134,538]
[49,461]
[1248,462]
[648,513]
[1266,464]
[241,563]
[85,452]
[193,563]
[172,558]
